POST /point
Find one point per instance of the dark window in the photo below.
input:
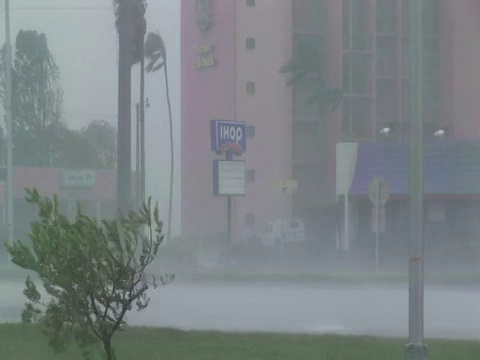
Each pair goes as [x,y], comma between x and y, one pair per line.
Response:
[250,44]
[387,104]
[250,131]
[405,57]
[405,16]
[201,5]
[356,124]
[309,15]
[356,73]
[250,2]
[431,58]
[356,23]
[303,92]
[431,17]
[386,56]
[250,219]
[250,175]
[405,99]
[386,16]
[306,142]
[250,87]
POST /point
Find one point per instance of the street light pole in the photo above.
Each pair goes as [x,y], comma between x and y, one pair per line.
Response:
[416,349]
[8,110]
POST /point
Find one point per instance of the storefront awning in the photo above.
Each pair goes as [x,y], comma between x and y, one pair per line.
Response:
[451,167]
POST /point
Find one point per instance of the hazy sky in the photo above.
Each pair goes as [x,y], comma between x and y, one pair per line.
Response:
[83,41]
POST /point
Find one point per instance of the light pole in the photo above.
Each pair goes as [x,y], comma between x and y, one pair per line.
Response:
[416,349]
[8,110]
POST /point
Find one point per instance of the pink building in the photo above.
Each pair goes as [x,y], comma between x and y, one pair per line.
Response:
[238,79]
[232,51]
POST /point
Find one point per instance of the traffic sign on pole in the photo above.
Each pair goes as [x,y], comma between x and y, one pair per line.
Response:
[378,193]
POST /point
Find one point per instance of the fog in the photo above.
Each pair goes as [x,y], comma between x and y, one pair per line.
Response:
[320,95]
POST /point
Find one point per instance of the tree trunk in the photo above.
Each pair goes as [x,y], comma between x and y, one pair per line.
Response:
[109,351]
[172,158]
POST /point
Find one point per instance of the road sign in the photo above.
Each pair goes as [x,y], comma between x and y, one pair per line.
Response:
[378,191]
[228,136]
[72,178]
[287,187]
[378,219]
[228,178]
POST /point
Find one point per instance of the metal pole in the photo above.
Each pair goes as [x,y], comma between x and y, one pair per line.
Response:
[229,219]
[8,109]
[416,349]
[142,126]
[137,156]
[229,156]
[377,229]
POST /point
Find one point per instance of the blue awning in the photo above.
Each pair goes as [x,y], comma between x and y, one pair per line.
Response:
[451,167]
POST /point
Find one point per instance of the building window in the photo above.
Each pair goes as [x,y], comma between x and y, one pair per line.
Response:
[250,131]
[250,219]
[306,142]
[357,74]
[356,24]
[386,56]
[356,123]
[250,87]
[387,100]
[250,2]
[250,175]
[309,15]
[250,44]
[386,16]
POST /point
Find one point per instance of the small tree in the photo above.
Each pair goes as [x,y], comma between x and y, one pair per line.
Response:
[93,272]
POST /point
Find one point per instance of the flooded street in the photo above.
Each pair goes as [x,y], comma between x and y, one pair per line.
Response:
[294,308]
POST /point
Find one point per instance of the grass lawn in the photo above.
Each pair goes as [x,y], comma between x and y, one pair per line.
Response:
[18,342]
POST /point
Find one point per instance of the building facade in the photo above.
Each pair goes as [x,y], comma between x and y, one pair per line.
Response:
[232,54]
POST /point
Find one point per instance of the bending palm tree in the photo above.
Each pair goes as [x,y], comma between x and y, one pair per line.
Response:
[157,59]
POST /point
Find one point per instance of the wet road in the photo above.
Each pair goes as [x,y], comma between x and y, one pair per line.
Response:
[298,308]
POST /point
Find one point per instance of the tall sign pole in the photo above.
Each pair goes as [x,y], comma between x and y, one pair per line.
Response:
[378,193]
[8,109]
[416,349]
[124,143]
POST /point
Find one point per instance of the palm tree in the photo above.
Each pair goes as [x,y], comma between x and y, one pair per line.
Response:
[305,66]
[131,27]
[156,54]
[124,24]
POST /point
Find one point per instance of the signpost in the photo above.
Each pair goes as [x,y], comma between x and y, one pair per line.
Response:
[287,187]
[228,178]
[72,178]
[229,138]
[378,193]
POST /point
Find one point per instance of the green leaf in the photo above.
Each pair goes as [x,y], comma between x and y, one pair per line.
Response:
[31,291]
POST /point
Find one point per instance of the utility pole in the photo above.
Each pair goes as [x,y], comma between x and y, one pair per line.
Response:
[142,123]
[124,147]
[137,155]
[416,349]
[8,109]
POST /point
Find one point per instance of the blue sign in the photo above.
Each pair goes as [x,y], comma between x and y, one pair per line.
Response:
[228,136]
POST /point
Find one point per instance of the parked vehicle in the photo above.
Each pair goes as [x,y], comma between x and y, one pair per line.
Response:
[283,232]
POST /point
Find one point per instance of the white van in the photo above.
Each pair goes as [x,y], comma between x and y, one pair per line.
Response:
[283,232]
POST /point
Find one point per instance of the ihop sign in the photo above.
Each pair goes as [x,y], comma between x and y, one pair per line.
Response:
[228,135]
